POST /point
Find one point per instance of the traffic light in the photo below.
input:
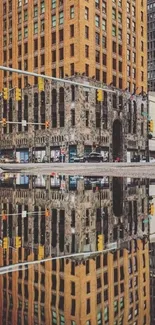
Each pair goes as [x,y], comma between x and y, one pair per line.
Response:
[100,244]
[47,213]
[5,93]
[5,242]
[151,209]
[47,123]
[99,95]
[150,126]
[4,122]
[41,252]
[18,242]
[40,84]
[18,94]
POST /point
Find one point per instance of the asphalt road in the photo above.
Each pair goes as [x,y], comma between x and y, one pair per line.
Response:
[145,170]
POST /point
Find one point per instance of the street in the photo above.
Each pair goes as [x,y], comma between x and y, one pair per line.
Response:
[138,170]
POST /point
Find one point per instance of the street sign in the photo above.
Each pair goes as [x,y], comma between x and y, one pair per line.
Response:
[24,123]
[24,214]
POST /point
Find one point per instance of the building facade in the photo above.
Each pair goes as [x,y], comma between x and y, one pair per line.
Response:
[151,44]
[78,123]
[105,40]
[105,288]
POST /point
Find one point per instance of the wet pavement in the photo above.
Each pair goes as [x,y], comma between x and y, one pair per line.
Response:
[76,250]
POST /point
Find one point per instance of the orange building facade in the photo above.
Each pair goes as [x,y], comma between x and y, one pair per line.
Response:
[105,40]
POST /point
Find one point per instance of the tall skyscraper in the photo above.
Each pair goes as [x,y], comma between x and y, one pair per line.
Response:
[103,39]
[151,44]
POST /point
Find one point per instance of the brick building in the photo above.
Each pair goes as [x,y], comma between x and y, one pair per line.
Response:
[103,39]
[110,288]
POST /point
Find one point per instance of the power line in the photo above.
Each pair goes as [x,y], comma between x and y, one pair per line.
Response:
[33,74]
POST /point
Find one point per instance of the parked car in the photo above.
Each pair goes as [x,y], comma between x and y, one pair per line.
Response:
[9,160]
[78,159]
[45,159]
[152,159]
[93,157]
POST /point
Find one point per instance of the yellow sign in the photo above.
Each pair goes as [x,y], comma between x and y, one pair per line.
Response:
[40,252]
[5,242]
[99,95]
[18,242]
[40,84]
[100,242]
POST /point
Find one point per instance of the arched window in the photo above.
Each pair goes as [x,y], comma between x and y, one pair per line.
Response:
[36,104]
[10,115]
[61,107]
[72,93]
[26,110]
[42,109]
[61,95]
[134,117]
[54,108]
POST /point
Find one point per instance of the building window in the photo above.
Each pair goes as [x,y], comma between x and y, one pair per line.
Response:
[36,44]
[53,37]
[25,31]
[53,4]
[72,117]
[61,107]
[61,35]
[42,25]
[71,49]
[25,48]
[97,74]
[35,28]
[97,21]
[97,38]
[87,69]
[97,56]
[88,306]
[86,13]
[71,30]
[54,110]
[73,288]
[88,287]
[42,59]
[73,306]
[53,20]
[54,56]
[42,42]
[25,15]
[61,72]
[72,69]
[35,9]
[71,12]
[61,18]
[114,30]
[19,34]
[61,53]
[86,51]
[42,7]
[19,18]
[86,32]
[36,62]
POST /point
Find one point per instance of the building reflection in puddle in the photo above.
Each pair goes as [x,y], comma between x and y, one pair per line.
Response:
[56,215]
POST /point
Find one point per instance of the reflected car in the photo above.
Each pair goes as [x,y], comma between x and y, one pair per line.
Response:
[78,159]
[93,157]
